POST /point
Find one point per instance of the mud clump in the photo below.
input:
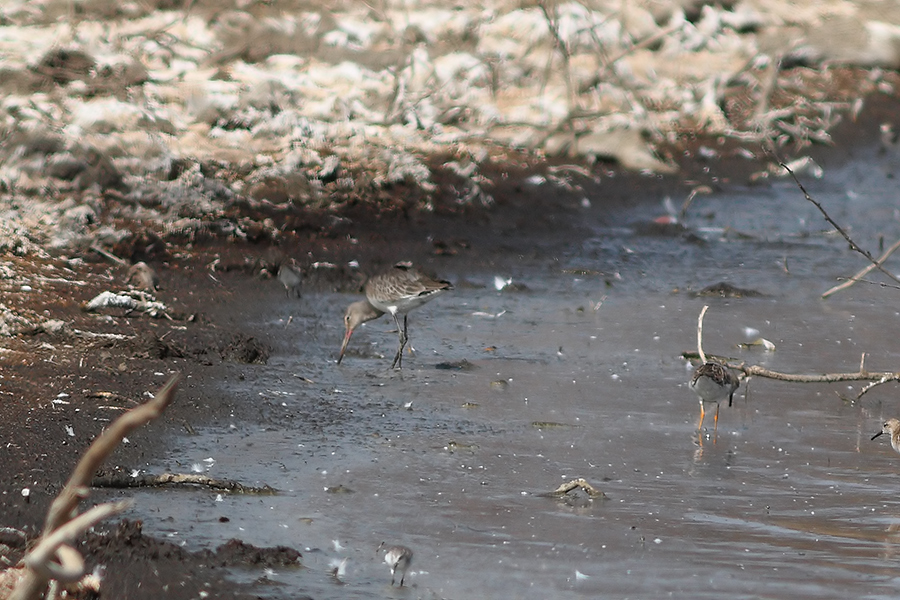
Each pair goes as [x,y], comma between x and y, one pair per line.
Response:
[235,553]
[247,350]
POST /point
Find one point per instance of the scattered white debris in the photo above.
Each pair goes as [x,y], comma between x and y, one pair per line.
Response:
[112,300]
[338,567]
[766,344]
[479,313]
[70,430]
[501,283]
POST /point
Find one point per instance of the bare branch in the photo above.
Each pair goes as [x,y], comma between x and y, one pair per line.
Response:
[862,273]
[71,565]
[878,283]
[179,480]
[53,559]
[700,334]
[823,378]
[869,386]
[853,245]
[553,26]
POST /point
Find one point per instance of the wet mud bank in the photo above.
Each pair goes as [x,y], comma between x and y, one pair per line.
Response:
[560,373]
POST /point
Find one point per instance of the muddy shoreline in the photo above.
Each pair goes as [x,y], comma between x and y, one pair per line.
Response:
[61,386]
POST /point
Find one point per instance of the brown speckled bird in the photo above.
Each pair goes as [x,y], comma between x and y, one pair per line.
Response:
[397,292]
[892,428]
[713,382]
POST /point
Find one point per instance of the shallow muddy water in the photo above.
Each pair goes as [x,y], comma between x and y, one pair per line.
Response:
[572,377]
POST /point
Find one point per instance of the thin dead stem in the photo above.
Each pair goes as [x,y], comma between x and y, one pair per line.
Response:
[833,223]
[861,375]
[863,272]
[700,334]
[53,558]
[553,26]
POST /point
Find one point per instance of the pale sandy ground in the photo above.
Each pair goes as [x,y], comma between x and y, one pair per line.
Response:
[181,108]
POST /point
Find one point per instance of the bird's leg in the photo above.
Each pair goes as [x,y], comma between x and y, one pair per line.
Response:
[716,427]
[702,414]
[406,335]
[401,332]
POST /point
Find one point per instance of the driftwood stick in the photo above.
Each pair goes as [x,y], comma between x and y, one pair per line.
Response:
[863,272]
[568,486]
[823,378]
[833,223]
[871,385]
[181,480]
[700,335]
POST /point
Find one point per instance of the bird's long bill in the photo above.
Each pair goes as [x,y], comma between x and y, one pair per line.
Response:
[877,434]
[344,345]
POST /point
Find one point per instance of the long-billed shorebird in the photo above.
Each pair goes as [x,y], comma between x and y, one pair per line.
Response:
[397,292]
[892,428]
[398,559]
[713,382]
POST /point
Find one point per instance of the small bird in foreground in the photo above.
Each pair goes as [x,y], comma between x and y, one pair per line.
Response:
[398,559]
[397,292]
[713,382]
[892,427]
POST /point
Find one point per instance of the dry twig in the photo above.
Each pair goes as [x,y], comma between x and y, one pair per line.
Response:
[875,379]
[833,223]
[53,558]
[553,26]
[579,483]
[700,334]
[179,479]
[863,272]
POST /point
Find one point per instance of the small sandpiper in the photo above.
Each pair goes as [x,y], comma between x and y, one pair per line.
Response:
[397,292]
[713,382]
[398,559]
[290,277]
[892,427]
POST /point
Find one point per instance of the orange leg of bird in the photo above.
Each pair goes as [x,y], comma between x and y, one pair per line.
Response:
[716,427]
[702,414]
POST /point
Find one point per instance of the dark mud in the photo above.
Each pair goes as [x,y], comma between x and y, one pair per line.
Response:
[60,386]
